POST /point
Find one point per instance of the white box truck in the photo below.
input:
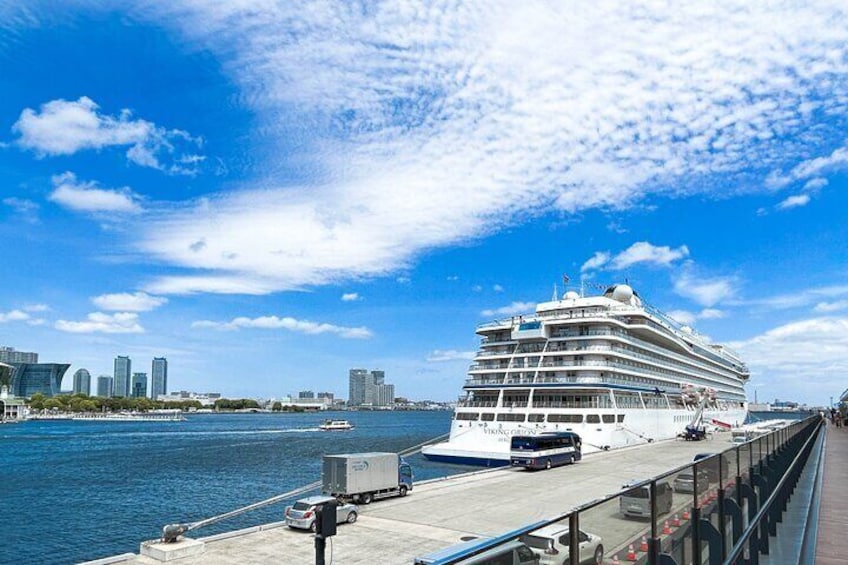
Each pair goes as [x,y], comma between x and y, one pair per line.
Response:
[363,477]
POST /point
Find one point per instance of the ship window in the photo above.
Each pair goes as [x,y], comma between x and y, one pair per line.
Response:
[487,417]
[467,416]
[510,417]
[566,418]
[608,418]
[620,418]
[593,419]
[535,417]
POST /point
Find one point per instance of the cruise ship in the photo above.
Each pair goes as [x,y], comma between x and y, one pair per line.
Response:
[610,368]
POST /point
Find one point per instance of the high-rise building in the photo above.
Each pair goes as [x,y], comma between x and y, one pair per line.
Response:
[306,394]
[159,376]
[82,382]
[327,395]
[359,380]
[385,395]
[104,386]
[369,388]
[123,370]
[10,355]
[139,385]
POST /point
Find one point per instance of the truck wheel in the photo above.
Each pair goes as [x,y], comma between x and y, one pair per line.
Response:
[402,490]
[351,518]
[366,498]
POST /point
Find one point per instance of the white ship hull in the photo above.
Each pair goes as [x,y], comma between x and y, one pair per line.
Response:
[487,443]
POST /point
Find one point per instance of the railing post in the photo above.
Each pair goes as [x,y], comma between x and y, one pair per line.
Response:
[574,539]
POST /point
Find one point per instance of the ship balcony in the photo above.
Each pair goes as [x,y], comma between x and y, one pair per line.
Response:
[477,403]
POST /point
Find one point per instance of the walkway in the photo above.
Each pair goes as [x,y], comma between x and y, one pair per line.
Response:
[832,543]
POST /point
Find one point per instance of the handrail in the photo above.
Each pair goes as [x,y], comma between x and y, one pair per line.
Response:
[754,524]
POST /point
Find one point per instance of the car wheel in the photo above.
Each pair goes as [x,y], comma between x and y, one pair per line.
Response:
[548,464]
[313,527]
[402,490]
[599,555]
[366,498]
[351,518]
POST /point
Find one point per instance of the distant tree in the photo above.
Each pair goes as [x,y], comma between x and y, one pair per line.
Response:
[36,401]
[277,406]
[53,404]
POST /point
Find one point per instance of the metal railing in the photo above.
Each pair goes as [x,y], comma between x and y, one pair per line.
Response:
[718,510]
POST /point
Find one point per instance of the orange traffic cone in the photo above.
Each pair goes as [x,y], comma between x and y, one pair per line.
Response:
[631,553]
[643,546]
[675,521]
[685,514]
[666,528]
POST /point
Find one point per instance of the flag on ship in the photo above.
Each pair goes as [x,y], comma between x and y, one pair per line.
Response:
[565,279]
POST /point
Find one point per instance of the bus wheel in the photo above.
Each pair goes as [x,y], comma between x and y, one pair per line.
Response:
[548,464]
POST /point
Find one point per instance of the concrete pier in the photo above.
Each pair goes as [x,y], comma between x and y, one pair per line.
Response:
[440,513]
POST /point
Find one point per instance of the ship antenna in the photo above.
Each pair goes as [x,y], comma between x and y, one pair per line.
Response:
[554,298]
[582,292]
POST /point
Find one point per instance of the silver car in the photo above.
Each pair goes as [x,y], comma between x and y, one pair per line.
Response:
[302,513]
[551,544]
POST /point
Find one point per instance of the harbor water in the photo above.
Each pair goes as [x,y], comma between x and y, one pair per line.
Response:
[77,490]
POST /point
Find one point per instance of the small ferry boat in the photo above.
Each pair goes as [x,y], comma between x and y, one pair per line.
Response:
[335,425]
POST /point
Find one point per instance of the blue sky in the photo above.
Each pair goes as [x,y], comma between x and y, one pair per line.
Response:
[269,194]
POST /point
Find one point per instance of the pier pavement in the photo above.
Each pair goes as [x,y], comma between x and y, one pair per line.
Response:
[832,543]
[439,513]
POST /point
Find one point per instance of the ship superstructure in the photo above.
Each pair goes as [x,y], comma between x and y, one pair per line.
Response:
[608,367]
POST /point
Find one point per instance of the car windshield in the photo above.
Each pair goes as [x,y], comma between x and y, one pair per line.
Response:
[536,542]
[685,476]
[301,506]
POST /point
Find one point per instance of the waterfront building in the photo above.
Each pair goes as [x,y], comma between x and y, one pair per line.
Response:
[368,388]
[204,398]
[139,385]
[10,355]
[159,376]
[123,369]
[26,379]
[104,386]
[328,395]
[11,408]
[304,403]
[82,382]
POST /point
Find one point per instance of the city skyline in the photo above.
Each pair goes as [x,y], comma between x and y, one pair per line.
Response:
[269,198]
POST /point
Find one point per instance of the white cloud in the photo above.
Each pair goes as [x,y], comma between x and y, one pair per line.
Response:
[687,318]
[118,323]
[596,261]
[287,323]
[86,197]
[645,252]
[705,291]
[37,308]
[125,302]
[350,297]
[828,307]
[13,316]
[798,299]
[807,358]
[26,209]
[794,202]
[512,310]
[497,288]
[432,126]
[838,159]
[815,184]
[477,288]
[62,127]
[440,355]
